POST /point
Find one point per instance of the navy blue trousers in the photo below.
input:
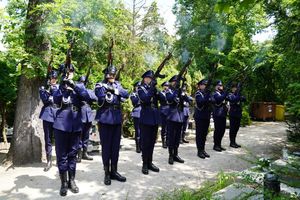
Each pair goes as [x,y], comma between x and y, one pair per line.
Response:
[174,133]
[163,131]
[148,138]
[201,132]
[85,135]
[66,147]
[184,125]
[110,136]
[137,132]
[235,123]
[48,134]
[220,127]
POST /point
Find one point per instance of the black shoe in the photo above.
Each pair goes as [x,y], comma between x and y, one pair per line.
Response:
[79,156]
[223,149]
[206,154]
[114,174]
[49,163]
[233,145]
[145,168]
[239,146]
[107,180]
[171,156]
[71,184]
[201,154]
[217,148]
[64,184]
[176,157]
[152,167]
[85,155]
[185,141]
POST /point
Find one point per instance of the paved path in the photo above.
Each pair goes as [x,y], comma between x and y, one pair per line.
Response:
[30,182]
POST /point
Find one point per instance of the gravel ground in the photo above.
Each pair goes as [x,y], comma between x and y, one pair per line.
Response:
[31,182]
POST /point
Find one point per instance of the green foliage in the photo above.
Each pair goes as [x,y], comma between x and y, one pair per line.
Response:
[204,192]
[245,121]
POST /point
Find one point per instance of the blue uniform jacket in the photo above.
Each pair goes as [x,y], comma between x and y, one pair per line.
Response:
[136,111]
[48,110]
[87,97]
[235,101]
[220,108]
[68,116]
[175,101]
[110,103]
[202,107]
[149,103]
[164,106]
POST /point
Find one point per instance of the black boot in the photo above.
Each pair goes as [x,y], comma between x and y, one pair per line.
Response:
[151,166]
[233,145]
[176,157]
[145,166]
[217,148]
[200,154]
[71,184]
[85,155]
[137,146]
[206,154]
[171,156]
[222,148]
[79,156]
[107,180]
[114,175]
[64,184]
[164,142]
[49,163]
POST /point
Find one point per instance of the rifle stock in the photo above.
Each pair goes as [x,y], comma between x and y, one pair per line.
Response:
[68,58]
[110,56]
[183,71]
[119,72]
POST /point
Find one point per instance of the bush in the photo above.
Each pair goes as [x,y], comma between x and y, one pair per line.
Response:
[245,121]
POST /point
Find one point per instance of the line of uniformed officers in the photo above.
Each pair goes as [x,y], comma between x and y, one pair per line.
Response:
[67,113]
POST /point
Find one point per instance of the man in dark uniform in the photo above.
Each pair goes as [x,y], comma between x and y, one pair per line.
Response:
[202,117]
[219,114]
[135,114]
[149,119]
[175,119]
[164,109]
[67,128]
[48,114]
[186,114]
[235,113]
[109,117]
[87,118]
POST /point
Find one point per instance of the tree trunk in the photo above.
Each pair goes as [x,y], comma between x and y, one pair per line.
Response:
[3,122]
[27,142]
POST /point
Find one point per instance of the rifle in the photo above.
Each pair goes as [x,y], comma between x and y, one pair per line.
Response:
[68,59]
[110,56]
[182,71]
[161,66]
[87,75]
[236,77]
[119,72]
[211,76]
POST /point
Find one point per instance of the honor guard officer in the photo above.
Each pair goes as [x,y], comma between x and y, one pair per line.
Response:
[235,113]
[219,115]
[48,114]
[149,119]
[202,117]
[135,114]
[87,117]
[186,114]
[109,117]
[67,128]
[164,109]
[175,119]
